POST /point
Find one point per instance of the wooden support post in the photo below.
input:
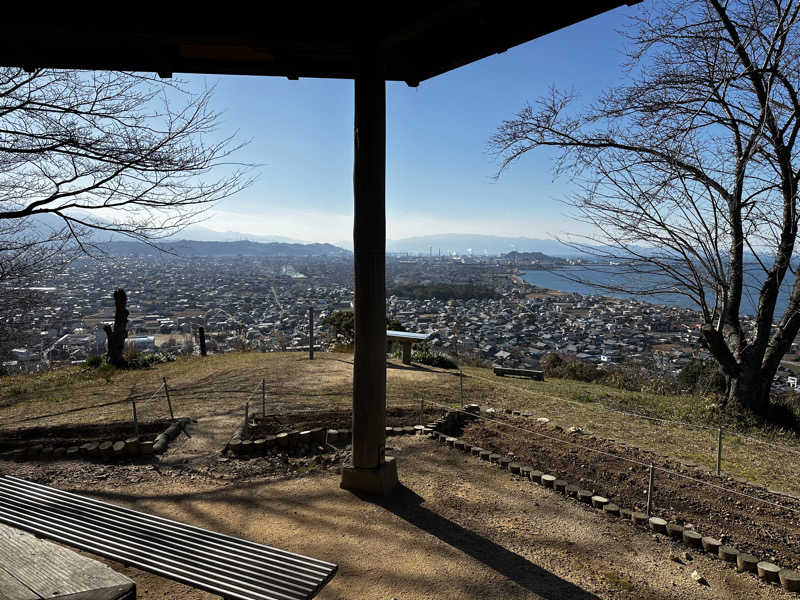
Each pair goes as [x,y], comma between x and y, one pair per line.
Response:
[246,413]
[263,399]
[650,491]
[719,451]
[169,402]
[370,471]
[201,333]
[310,333]
[461,381]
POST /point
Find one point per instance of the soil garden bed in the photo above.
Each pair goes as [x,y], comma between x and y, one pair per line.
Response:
[332,419]
[312,433]
[101,441]
[770,532]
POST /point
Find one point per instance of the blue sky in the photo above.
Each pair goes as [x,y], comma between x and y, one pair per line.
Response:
[439,171]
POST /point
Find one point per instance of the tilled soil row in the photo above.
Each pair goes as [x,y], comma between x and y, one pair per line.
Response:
[766,531]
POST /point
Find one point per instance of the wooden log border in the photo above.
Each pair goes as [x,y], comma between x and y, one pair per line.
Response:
[109,450]
[338,438]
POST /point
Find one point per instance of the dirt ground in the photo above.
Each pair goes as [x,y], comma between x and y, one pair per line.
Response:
[458,528]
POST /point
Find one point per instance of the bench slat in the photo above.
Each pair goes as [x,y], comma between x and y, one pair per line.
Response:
[69,527]
[138,533]
[203,533]
[220,564]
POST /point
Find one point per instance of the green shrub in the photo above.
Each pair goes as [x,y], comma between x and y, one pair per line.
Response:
[549,362]
[555,365]
[94,361]
[341,327]
[701,376]
[433,359]
[145,361]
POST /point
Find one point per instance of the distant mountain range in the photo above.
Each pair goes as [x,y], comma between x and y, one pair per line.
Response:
[204,234]
[192,248]
[464,243]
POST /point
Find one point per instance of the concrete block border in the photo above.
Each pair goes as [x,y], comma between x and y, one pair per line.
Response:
[743,562]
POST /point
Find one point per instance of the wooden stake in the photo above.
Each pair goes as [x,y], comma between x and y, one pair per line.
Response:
[650,491]
[719,451]
[169,402]
[263,399]
[135,420]
[310,333]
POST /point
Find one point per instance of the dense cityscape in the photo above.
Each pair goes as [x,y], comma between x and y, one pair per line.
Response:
[261,303]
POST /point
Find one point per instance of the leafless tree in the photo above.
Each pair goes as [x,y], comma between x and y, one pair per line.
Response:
[85,155]
[688,172]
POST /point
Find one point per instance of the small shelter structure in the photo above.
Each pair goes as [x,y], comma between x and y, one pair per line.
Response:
[370,43]
[405,339]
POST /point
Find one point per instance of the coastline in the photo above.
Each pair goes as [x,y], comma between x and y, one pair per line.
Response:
[536,291]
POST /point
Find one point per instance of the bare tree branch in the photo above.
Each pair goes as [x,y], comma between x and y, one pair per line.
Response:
[688,172]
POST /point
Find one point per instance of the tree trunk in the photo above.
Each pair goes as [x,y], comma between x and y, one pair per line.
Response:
[749,391]
[117,335]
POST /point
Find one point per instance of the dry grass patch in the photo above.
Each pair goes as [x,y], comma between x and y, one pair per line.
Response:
[212,385]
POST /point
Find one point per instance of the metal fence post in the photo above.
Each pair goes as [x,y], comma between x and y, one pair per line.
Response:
[719,451]
[310,333]
[246,412]
[650,492]
[263,399]
[169,402]
[461,381]
[135,420]
[421,409]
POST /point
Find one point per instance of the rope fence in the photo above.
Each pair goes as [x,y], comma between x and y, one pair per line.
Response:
[781,447]
[147,398]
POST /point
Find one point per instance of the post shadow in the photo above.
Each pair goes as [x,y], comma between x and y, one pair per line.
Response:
[407,504]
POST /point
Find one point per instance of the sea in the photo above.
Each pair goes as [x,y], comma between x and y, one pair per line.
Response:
[563,279]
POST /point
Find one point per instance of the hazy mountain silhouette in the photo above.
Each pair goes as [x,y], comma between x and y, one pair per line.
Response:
[462,243]
[193,248]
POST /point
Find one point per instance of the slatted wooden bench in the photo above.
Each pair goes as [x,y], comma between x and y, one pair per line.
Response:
[220,564]
[535,375]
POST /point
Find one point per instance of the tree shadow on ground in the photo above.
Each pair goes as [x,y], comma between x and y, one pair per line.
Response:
[407,504]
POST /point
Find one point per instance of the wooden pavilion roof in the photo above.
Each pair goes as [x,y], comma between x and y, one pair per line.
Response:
[417,40]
